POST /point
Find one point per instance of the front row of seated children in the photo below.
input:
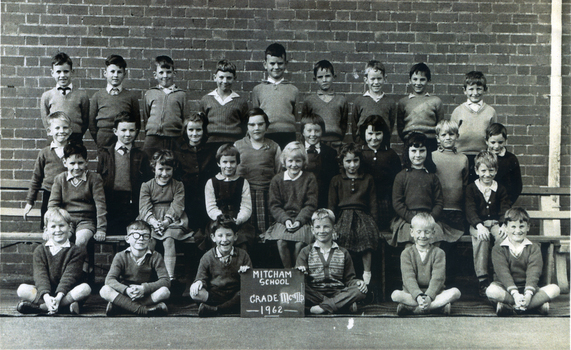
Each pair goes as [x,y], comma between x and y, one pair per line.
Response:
[138,281]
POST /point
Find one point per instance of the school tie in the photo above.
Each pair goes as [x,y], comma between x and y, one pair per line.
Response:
[123,150]
[312,149]
[114,92]
[64,90]
[226,260]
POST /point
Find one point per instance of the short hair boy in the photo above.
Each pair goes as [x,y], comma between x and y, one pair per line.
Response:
[277,97]
[64,97]
[326,103]
[321,159]
[123,168]
[224,108]
[137,280]
[164,108]
[217,283]
[473,118]
[338,289]
[110,101]
[509,173]
[486,203]
[374,101]
[517,268]
[419,111]
[57,270]
[80,193]
[49,163]
[423,269]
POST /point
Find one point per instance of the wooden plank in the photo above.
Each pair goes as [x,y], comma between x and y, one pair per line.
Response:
[549,215]
[34,213]
[546,191]
[561,272]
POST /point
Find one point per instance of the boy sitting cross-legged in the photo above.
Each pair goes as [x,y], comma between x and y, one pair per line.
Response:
[57,270]
[137,281]
[517,268]
[423,268]
[331,281]
[217,283]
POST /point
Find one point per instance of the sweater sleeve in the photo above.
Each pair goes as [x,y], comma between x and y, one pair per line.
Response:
[504,199]
[41,272]
[501,265]
[56,193]
[438,201]
[255,97]
[438,273]
[163,279]
[400,119]
[145,204]
[176,207]
[203,272]
[210,200]
[534,268]
[277,201]
[146,112]
[408,274]
[516,182]
[392,116]
[333,198]
[114,274]
[135,110]
[245,204]
[84,112]
[354,123]
[37,179]
[471,206]
[73,270]
[399,204]
[349,276]
[302,258]
[100,204]
[93,111]
[344,117]
[45,108]
[373,203]
[309,200]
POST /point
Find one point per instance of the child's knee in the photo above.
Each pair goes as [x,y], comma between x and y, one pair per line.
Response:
[495,292]
[396,295]
[552,291]
[108,293]
[27,292]
[169,244]
[82,237]
[80,292]
[162,293]
[455,293]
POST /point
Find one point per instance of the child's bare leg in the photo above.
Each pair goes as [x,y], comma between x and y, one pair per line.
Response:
[201,297]
[544,295]
[399,296]
[366,256]
[447,296]
[79,293]
[285,253]
[170,256]
[82,237]
[499,295]
[108,294]
[298,247]
[160,294]
[27,292]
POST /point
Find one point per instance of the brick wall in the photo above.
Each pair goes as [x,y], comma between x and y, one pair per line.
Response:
[509,40]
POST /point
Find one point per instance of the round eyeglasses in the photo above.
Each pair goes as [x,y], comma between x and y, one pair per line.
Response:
[137,236]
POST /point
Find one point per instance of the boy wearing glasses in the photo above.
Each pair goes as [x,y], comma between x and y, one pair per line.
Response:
[137,281]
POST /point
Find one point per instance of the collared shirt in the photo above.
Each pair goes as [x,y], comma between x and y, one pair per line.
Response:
[376,99]
[487,191]
[516,251]
[168,90]
[119,145]
[68,89]
[288,178]
[423,168]
[325,93]
[76,181]
[221,177]
[117,88]
[219,98]
[317,147]
[442,149]
[140,260]
[275,82]
[57,149]
[54,248]
[225,259]
[475,106]
[413,95]
[325,252]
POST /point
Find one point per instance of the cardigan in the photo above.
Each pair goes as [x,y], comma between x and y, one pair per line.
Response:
[163,113]
[279,102]
[334,113]
[478,210]
[472,127]
[417,190]
[258,166]
[419,113]
[104,107]
[324,166]
[124,271]
[353,194]
[75,105]
[57,273]
[215,275]
[293,200]
[383,165]
[428,275]
[47,166]
[364,106]
[225,122]
[452,171]
[85,200]
[509,175]
[514,273]
[337,272]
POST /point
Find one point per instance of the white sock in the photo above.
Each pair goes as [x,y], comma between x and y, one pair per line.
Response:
[367,277]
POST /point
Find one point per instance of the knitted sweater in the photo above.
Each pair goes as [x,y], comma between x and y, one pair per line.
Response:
[279,103]
[472,127]
[225,122]
[75,104]
[103,108]
[215,275]
[426,276]
[523,271]
[417,190]
[258,166]
[293,200]
[124,271]
[335,114]
[419,113]
[383,165]
[337,272]
[163,113]
[353,194]
[509,175]
[324,166]
[57,273]
[479,210]
[85,200]
[452,171]
[170,195]
[47,166]
[364,106]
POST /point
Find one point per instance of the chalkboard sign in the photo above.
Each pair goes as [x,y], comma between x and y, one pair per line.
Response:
[272,293]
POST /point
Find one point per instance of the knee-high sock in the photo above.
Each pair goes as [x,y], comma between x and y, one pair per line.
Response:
[127,304]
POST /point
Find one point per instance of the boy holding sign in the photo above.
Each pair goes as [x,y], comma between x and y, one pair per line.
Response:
[331,281]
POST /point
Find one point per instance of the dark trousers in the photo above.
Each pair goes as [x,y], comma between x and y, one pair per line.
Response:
[44,208]
[120,212]
[334,299]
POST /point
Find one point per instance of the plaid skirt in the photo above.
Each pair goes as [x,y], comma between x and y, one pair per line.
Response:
[261,217]
[357,231]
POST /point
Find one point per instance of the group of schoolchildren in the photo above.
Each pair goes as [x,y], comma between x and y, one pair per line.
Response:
[321,200]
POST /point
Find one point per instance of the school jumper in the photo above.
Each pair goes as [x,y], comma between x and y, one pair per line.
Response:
[420,114]
[365,105]
[322,162]
[509,175]
[75,104]
[334,113]
[225,121]
[423,277]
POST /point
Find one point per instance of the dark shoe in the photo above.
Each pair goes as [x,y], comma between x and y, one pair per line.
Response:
[543,309]
[26,307]
[446,309]
[353,308]
[504,310]
[160,309]
[483,285]
[74,308]
[403,310]
[111,310]
[205,310]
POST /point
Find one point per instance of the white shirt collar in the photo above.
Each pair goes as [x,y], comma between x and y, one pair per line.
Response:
[83,176]
[413,95]
[120,144]
[54,249]
[317,146]
[57,149]
[376,99]
[168,90]
[219,255]
[475,107]
[334,245]
[275,82]
[221,177]
[70,87]
[482,188]
[109,87]
[516,251]
[288,178]
[140,260]
[219,98]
